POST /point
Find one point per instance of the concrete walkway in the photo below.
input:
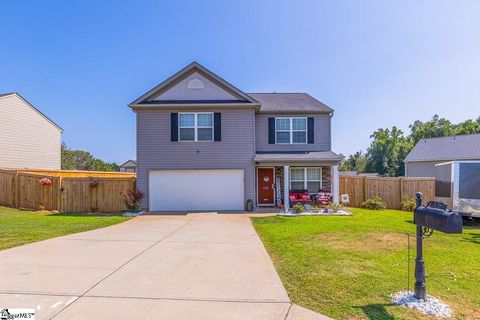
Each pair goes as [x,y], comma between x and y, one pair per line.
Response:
[198,266]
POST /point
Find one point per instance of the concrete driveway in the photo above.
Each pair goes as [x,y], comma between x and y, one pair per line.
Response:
[197,266]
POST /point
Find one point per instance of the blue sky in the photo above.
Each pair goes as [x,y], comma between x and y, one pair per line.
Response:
[377,63]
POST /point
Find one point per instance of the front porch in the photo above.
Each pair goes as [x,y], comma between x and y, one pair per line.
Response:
[277,176]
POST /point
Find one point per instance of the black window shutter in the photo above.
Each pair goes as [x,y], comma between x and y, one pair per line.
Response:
[271,130]
[311,130]
[217,126]
[174,126]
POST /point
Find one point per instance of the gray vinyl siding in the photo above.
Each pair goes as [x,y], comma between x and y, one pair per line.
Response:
[180,91]
[321,136]
[28,139]
[425,168]
[421,169]
[156,151]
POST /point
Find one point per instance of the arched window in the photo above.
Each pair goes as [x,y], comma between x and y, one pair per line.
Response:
[195,84]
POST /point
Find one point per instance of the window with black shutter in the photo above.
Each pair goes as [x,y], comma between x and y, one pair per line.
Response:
[174,126]
[217,125]
[311,130]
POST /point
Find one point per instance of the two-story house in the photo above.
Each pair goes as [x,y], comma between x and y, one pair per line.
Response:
[202,144]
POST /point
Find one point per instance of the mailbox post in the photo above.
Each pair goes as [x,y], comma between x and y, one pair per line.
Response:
[420,289]
[427,219]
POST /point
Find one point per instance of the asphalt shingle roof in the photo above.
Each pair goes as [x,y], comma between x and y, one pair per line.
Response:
[464,147]
[289,102]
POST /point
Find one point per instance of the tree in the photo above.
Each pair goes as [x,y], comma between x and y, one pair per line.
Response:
[390,147]
[83,160]
[437,127]
[467,127]
[387,152]
[342,161]
[355,162]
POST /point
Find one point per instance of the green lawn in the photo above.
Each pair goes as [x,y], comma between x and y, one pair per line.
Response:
[19,227]
[346,267]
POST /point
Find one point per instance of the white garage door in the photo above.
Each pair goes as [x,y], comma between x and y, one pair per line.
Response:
[180,190]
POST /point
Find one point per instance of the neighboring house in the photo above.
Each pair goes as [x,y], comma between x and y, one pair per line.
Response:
[203,144]
[421,161]
[129,166]
[359,174]
[29,139]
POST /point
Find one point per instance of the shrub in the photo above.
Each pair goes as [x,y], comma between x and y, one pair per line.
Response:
[132,200]
[408,204]
[374,204]
[298,208]
[335,206]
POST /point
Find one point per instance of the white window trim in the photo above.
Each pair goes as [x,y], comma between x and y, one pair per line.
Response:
[291,131]
[305,177]
[195,127]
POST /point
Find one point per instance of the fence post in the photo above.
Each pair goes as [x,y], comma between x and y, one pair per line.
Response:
[17,191]
[365,189]
[14,191]
[59,191]
[401,189]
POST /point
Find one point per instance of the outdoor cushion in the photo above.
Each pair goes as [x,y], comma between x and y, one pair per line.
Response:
[299,197]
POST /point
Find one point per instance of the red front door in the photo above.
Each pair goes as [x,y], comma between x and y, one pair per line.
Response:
[265,186]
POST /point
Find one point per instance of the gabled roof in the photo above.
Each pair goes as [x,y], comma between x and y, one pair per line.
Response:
[133,163]
[464,147]
[144,100]
[4,95]
[290,102]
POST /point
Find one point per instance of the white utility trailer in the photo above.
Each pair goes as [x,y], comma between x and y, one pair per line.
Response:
[457,184]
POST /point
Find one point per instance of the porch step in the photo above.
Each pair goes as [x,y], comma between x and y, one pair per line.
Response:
[267,210]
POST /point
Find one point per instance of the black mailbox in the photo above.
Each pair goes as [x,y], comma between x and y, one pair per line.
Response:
[427,219]
[439,220]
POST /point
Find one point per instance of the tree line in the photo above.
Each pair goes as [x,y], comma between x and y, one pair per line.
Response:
[84,160]
[389,147]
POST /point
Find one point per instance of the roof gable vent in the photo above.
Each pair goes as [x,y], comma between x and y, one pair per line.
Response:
[195,84]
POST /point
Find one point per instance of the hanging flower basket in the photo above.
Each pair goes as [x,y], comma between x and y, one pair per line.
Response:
[93,183]
[45,181]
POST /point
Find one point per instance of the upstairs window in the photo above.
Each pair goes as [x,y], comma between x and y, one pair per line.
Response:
[291,130]
[195,126]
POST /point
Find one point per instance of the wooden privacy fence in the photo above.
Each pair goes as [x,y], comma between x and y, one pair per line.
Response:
[70,191]
[391,190]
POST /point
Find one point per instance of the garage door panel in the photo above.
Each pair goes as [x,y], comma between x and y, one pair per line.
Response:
[179,190]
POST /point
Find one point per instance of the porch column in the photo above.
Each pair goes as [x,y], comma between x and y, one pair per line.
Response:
[286,189]
[335,184]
